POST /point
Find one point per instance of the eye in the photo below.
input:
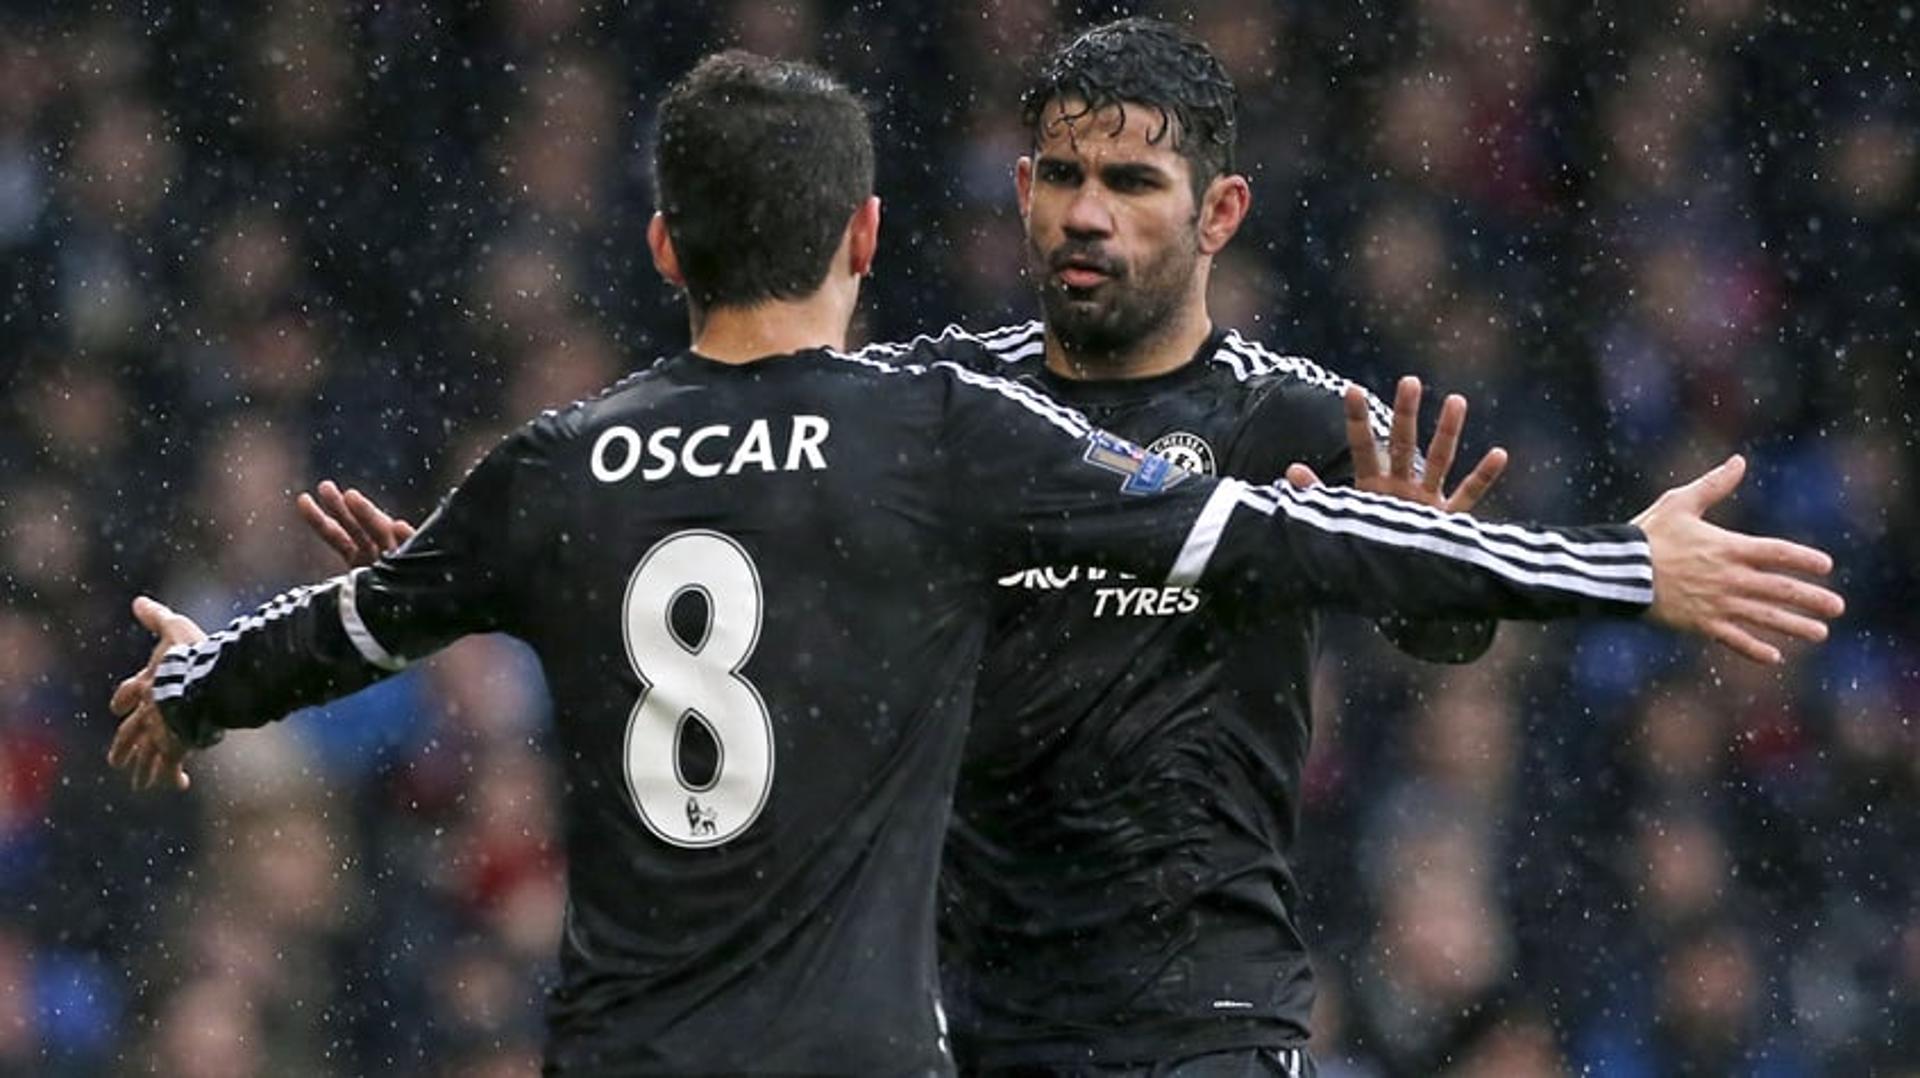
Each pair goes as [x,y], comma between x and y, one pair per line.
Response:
[1131,183]
[1058,172]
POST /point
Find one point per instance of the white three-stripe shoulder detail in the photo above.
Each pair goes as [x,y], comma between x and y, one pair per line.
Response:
[1061,416]
[1250,359]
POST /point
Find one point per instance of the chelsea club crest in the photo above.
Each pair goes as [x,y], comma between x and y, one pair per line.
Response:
[1189,451]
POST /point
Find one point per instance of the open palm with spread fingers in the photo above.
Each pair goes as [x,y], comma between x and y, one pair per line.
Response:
[1402,478]
[1744,591]
[352,524]
[144,746]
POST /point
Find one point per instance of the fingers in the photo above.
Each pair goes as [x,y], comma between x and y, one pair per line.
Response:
[151,614]
[152,764]
[1743,643]
[374,522]
[128,695]
[1405,432]
[334,501]
[148,751]
[1799,595]
[125,738]
[1475,486]
[352,523]
[142,744]
[1302,476]
[1713,487]
[1780,555]
[1446,441]
[329,531]
[1776,619]
[171,626]
[162,621]
[1366,453]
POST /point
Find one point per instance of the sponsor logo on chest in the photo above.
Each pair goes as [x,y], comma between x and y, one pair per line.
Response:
[1116,594]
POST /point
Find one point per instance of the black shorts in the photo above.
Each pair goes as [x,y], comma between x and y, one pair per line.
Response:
[1236,1063]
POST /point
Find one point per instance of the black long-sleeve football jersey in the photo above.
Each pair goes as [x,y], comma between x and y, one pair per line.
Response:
[759,594]
[1117,885]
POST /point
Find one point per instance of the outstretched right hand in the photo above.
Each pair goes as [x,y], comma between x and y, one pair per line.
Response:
[357,529]
[1726,586]
[144,746]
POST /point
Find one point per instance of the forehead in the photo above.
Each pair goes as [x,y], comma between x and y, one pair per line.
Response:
[1129,131]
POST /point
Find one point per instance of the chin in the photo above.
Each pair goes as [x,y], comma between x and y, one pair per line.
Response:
[1091,337]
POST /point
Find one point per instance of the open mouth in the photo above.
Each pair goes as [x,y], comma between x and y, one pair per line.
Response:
[1082,276]
[1083,270]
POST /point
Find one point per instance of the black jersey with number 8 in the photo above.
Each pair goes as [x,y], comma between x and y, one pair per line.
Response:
[759,593]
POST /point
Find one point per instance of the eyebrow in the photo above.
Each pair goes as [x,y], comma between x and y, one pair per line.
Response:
[1137,171]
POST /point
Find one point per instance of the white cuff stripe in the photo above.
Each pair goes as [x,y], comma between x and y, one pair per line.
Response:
[357,631]
[1205,534]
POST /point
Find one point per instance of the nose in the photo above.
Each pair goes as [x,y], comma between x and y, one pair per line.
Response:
[1088,216]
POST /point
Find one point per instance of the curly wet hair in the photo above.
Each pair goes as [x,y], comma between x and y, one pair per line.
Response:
[1145,62]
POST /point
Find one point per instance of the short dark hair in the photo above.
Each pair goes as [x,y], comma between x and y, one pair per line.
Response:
[1144,61]
[757,165]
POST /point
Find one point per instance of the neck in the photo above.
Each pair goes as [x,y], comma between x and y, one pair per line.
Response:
[1167,348]
[771,328]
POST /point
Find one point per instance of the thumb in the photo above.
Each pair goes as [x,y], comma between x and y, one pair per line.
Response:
[151,613]
[1712,488]
[1302,476]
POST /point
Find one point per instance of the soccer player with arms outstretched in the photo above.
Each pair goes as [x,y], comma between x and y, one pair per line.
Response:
[787,554]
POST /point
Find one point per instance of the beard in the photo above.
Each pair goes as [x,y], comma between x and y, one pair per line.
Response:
[1112,318]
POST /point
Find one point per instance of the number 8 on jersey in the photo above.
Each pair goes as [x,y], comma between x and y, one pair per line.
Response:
[687,681]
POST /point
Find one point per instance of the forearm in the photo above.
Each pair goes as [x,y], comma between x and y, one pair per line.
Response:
[1379,556]
[295,651]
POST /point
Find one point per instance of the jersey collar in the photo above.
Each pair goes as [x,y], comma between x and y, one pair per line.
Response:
[1110,390]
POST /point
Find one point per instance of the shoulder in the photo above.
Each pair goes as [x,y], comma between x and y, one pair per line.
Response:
[1277,381]
[986,350]
[554,428]
[968,387]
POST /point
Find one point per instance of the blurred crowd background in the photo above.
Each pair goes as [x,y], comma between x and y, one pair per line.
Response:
[247,246]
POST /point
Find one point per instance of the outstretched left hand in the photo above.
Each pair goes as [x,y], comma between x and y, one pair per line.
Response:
[144,746]
[351,523]
[1400,480]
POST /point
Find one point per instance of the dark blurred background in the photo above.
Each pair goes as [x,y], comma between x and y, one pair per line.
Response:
[247,246]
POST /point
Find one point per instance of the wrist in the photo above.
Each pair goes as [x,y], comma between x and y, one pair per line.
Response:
[193,732]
